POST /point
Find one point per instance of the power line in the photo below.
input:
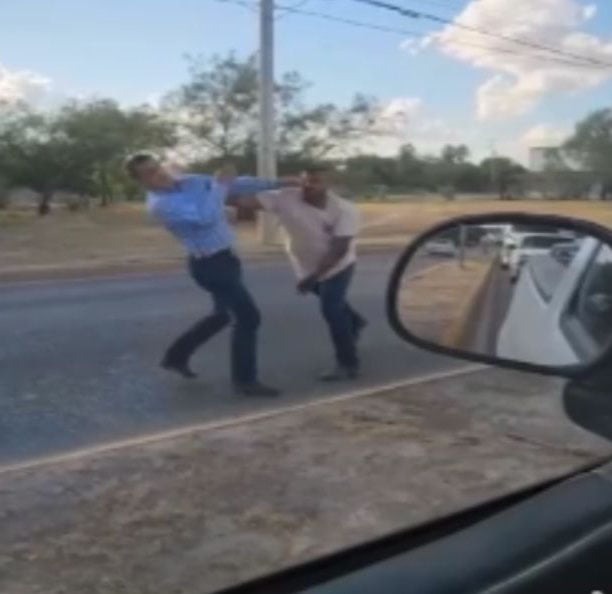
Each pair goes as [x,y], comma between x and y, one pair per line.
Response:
[406,32]
[295,6]
[446,5]
[330,17]
[286,9]
[416,14]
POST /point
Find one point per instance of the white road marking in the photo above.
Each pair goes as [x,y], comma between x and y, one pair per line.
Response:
[424,271]
[230,422]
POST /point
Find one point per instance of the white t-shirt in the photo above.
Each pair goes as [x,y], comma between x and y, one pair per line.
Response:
[310,230]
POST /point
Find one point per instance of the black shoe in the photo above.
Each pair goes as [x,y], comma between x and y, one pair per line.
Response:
[341,374]
[182,369]
[256,389]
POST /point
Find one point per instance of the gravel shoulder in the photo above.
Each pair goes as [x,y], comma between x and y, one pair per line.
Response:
[205,510]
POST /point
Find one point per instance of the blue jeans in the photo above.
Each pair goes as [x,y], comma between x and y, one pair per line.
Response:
[342,320]
[221,276]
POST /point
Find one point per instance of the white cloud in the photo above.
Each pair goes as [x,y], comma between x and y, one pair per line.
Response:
[588,12]
[22,85]
[405,120]
[545,135]
[395,116]
[522,76]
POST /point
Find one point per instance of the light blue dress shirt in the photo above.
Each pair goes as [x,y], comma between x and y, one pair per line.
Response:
[193,210]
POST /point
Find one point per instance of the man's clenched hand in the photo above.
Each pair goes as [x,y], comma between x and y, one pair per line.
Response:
[307,285]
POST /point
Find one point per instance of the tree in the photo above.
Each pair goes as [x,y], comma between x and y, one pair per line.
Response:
[503,173]
[455,155]
[591,146]
[104,134]
[365,171]
[470,178]
[450,168]
[79,149]
[218,110]
[35,155]
[4,193]
[326,130]
[218,106]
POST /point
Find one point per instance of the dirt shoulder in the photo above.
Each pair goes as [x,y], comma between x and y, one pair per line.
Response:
[201,511]
[122,240]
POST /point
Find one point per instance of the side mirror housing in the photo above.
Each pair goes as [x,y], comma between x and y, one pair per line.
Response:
[512,302]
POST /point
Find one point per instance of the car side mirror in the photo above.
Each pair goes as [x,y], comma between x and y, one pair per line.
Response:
[508,302]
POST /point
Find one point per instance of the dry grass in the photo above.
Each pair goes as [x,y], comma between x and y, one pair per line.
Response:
[409,218]
[122,237]
[436,302]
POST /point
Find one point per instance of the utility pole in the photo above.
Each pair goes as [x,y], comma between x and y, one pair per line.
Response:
[493,167]
[266,157]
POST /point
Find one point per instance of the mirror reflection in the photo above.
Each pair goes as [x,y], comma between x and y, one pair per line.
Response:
[528,293]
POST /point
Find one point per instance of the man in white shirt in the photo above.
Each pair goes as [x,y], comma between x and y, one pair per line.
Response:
[321,229]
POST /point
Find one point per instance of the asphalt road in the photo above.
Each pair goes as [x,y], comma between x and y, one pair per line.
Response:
[78,362]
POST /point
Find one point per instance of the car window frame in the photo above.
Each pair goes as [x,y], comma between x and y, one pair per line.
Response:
[571,325]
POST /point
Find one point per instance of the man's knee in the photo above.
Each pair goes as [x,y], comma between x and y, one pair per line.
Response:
[248,318]
[221,318]
[331,309]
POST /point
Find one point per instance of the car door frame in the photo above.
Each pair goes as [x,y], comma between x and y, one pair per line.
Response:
[553,307]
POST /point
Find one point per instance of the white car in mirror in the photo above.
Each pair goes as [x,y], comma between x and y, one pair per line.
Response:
[528,245]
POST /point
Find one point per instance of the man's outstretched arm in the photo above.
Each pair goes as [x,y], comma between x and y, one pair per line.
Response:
[248,186]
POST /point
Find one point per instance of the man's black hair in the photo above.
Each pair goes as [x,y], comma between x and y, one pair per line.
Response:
[132,162]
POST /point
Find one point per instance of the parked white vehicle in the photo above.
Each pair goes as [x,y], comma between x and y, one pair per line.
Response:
[560,317]
[495,234]
[528,245]
[513,236]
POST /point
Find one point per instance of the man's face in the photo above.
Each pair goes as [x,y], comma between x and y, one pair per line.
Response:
[153,175]
[314,184]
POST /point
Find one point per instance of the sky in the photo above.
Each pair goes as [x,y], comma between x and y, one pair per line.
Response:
[436,83]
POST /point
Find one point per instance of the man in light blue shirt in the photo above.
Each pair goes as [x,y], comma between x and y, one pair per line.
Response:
[192,208]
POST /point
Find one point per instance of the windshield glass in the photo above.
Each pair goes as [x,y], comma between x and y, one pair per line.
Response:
[529,229]
[198,380]
[542,242]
